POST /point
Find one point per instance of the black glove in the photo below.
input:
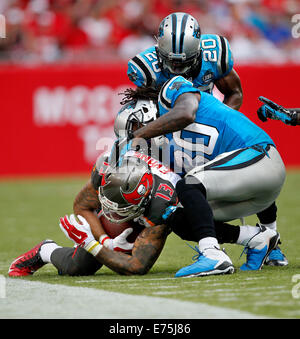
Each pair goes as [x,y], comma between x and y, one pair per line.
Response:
[271,110]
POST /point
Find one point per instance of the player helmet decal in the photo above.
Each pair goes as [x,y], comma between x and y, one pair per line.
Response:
[126,189]
[178,43]
[140,112]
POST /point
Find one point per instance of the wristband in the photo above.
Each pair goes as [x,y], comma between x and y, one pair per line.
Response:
[93,247]
[104,240]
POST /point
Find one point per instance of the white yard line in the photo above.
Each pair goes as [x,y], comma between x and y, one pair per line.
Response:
[32,299]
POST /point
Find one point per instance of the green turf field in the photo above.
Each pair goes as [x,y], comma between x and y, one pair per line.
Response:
[30,210]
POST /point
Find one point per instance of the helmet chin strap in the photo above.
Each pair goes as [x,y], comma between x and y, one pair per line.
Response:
[187,73]
[192,70]
[107,211]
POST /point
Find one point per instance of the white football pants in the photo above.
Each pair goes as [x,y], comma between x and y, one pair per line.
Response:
[242,182]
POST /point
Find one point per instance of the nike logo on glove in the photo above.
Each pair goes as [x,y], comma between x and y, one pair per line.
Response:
[73,233]
[78,237]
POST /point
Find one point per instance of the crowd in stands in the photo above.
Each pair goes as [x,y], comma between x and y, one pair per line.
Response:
[98,31]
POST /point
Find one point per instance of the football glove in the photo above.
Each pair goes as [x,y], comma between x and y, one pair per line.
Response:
[80,233]
[119,243]
[271,110]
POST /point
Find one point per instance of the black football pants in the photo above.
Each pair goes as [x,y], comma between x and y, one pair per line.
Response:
[74,261]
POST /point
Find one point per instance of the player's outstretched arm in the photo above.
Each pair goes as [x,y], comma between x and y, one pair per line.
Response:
[231,87]
[181,115]
[145,252]
[271,110]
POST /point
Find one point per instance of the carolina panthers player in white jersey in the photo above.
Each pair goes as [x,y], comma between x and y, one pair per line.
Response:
[205,59]
[241,172]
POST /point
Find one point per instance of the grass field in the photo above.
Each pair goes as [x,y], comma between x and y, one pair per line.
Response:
[30,210]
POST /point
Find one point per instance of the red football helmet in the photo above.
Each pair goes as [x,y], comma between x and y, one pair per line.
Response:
[126,189]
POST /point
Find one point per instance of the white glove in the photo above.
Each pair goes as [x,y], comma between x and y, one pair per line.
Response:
[79,233]
[119,243]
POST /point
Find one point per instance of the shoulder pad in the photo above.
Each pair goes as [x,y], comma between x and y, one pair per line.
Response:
[171,89]
[142,68]
[216,49]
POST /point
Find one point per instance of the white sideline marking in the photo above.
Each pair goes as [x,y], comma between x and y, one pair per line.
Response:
[32,299]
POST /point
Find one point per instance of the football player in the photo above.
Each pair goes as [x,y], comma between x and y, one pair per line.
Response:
[141,188]
[126,119]
[205,59]
[151,202]
[234,169]
[271,110]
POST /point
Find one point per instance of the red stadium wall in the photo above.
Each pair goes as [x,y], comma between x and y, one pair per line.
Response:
[56,119]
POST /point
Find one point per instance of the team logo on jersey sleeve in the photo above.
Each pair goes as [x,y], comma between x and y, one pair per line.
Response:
[177,84]
[132,76]
[208,76]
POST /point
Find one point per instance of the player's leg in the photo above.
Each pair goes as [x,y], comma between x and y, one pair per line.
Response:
[74,261]
[268,218]
[257,240]
[210,260]
[242,183]
[268,175]
[68,261]
[30,261]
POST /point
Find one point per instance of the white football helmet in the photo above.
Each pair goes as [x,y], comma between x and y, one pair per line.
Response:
[178,43]
[138,112]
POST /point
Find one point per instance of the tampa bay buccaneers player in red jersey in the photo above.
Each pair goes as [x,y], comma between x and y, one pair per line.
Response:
[141,188]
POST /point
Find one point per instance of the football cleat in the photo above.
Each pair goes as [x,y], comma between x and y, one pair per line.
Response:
[29,262]
[259,247]
[276,258]
[211,261]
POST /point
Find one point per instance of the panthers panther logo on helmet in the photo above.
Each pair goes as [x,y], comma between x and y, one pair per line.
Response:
[178,43]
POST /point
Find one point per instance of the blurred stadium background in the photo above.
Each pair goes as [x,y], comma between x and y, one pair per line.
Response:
[63,63]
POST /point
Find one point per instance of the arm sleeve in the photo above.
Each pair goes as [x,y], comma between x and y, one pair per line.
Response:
[225,57]
[172,89]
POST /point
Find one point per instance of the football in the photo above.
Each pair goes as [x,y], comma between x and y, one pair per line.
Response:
[113,229]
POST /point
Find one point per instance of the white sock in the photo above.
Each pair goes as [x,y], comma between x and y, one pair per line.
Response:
[272,225]
[208,242]
[46,251]
[246,233]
